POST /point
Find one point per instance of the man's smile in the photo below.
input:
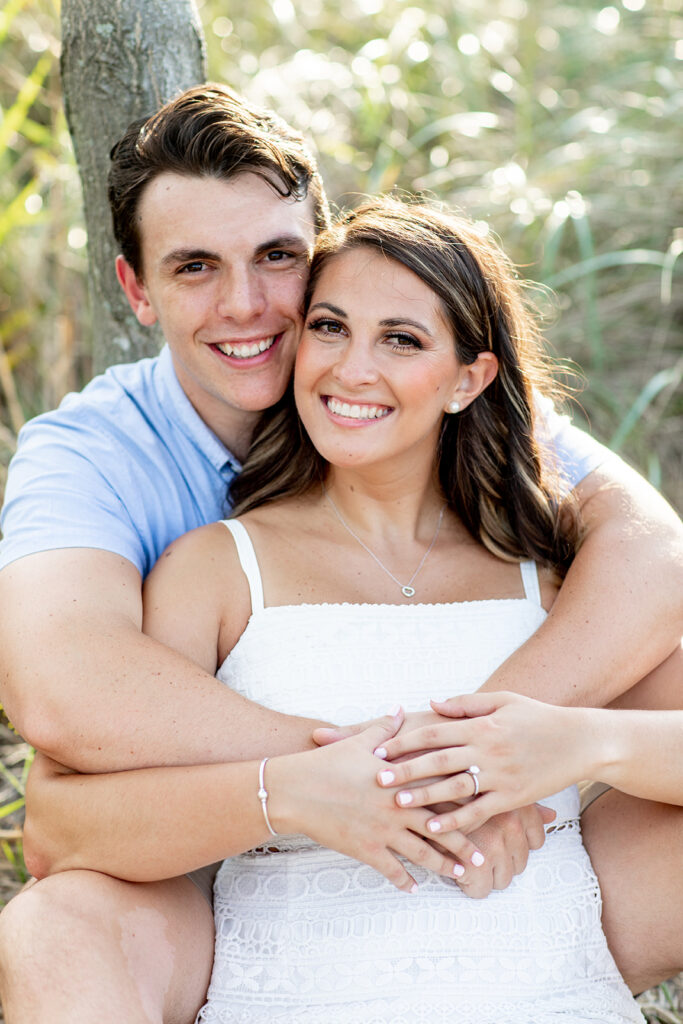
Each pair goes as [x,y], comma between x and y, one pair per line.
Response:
[247,349]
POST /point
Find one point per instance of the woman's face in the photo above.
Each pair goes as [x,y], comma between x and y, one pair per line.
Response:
[376,364]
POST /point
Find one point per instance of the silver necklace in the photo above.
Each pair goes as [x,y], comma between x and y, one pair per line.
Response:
[407,589]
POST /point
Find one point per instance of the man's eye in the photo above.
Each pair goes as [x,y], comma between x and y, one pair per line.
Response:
[192,268]
[279,256]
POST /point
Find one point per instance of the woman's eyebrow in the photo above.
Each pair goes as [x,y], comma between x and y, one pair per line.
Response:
[327,305]
[404,321]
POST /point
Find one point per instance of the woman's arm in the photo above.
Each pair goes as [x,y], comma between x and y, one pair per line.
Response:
[527,750]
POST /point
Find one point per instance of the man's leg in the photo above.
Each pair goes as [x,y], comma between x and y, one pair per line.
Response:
[81,946]
[636,847]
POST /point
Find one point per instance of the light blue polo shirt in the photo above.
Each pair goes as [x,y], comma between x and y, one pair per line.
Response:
[127,466]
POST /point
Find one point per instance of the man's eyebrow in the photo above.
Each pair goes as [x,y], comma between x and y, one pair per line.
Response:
[327,305]
[188,256]
[284,242]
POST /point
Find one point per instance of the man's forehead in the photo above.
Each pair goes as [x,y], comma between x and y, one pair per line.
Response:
[194,210]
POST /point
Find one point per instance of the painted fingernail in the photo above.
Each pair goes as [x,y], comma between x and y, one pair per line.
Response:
[413,889]
[404,798]
[477,859]
[395,710]
[386,777]
[380,752]
[458,870]
[434,826]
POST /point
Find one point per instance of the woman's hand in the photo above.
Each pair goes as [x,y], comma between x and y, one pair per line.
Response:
[524,750]
[330,795]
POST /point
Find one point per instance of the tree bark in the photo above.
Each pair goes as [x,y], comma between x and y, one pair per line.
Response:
[121,60]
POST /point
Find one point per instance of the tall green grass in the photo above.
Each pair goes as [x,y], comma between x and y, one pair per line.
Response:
[557,125]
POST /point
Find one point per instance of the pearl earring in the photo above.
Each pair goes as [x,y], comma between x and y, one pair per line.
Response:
[453,407]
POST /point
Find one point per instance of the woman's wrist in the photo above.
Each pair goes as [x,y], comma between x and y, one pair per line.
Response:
[601,744]
[583,746]
[281,779]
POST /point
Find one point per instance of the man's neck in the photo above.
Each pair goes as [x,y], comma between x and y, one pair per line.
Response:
[233,427]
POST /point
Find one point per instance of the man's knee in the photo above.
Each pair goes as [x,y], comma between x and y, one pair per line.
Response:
[100,942]
[50,915]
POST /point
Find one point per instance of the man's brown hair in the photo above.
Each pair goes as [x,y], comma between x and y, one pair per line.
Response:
[208,131]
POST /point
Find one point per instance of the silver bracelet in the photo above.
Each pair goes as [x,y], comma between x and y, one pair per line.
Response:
[263,794]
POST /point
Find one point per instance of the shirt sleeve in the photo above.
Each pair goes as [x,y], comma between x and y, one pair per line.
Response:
[573,453]
[58,497]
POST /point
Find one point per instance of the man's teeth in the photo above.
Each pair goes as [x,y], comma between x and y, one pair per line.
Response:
[357,412]
[246,350]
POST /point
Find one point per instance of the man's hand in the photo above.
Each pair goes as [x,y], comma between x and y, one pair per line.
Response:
[505,841]
[325,735]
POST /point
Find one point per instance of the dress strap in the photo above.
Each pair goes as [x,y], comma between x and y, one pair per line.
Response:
[532,590]
[248,561]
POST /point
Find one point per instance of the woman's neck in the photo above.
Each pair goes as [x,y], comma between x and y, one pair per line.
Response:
[387,507]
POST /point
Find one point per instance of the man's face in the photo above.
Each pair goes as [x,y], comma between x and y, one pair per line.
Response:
[224,267]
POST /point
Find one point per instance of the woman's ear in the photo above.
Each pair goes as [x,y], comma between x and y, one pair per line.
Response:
[474,379]
[135,292]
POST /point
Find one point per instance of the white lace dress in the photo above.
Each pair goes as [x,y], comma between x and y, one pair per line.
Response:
[307,935]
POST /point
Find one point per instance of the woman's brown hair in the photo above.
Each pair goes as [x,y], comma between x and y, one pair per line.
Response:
[490,465]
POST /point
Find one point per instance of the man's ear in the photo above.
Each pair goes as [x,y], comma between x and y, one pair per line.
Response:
[474,379]
[135,292]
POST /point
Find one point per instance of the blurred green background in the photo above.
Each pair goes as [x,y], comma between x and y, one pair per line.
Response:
[557,126]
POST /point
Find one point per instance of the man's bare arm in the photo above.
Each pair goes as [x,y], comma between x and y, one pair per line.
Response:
[154,823]
[619,612]
[83,684]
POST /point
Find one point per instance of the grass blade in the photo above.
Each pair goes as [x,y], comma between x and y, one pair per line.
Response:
[661,380]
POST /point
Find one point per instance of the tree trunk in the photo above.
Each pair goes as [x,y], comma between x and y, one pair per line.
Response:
[121,60]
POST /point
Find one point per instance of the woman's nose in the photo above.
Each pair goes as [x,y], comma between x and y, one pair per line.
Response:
[355,365]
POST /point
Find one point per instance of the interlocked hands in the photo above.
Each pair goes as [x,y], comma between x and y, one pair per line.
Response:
[502,837]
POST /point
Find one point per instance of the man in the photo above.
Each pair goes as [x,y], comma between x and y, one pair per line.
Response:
[215,208]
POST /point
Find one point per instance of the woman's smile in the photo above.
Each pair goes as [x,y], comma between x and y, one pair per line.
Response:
[359,413]
[377,353]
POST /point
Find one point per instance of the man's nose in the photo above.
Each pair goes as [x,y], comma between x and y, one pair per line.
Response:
[241,296]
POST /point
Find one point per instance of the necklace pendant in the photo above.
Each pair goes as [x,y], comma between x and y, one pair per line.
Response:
[408,591]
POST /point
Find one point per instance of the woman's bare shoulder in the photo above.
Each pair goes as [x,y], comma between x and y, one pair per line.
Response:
[197,587]
[295,515]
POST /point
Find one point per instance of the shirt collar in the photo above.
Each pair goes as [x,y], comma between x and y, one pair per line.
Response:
[186,418]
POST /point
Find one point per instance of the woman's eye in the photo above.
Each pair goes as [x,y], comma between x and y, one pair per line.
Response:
[325,326]
[404,343]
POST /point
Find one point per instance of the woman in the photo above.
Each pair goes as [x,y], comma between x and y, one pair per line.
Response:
[414,386]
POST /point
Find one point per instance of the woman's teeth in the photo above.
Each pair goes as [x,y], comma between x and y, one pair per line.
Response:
[247,350]
[357,412]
